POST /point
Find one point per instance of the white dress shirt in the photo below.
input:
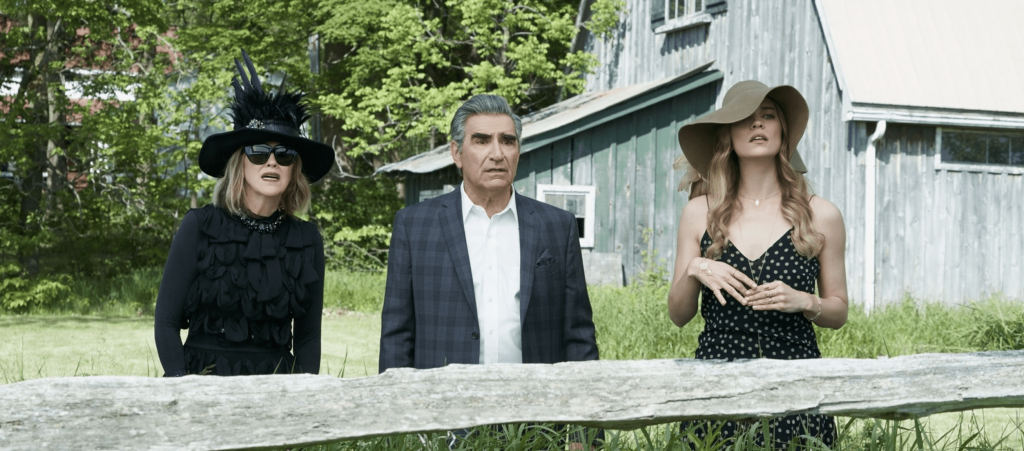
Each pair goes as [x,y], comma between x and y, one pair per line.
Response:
[493,245]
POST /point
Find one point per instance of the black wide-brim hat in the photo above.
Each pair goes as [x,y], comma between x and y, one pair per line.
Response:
[317,157]
[261,117]
[697,139]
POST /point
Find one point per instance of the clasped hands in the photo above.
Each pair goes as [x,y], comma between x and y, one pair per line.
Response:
[775,295]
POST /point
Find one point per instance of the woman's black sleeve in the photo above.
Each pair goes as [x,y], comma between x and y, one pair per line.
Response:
[179,273]
[307,328]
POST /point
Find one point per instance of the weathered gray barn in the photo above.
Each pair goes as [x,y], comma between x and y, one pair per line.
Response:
[934,205]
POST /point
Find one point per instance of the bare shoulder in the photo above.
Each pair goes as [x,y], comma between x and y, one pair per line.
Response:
[826,214]
[694,218]
[696,207]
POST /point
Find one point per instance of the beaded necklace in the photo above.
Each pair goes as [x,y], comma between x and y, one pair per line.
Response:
[265,226]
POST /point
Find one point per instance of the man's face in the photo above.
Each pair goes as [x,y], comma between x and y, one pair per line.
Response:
[490,153]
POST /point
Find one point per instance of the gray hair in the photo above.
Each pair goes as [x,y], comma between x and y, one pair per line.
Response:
[482,104]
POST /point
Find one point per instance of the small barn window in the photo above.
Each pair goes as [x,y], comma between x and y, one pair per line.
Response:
[680,8]
[432,193]
[679,15]
[987,150]
[576,199]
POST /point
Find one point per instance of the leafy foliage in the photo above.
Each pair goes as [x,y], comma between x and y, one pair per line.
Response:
[105,107]
[355,219]
[92,177]
[402,67]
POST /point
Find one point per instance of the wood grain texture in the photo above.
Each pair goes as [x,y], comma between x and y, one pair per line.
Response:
[212,413]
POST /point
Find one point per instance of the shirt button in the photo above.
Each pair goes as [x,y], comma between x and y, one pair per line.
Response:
[222,330]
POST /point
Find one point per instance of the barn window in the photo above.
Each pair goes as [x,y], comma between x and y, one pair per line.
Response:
[980,149]
[677,15]
[576,199]
[675,9]
[432,193]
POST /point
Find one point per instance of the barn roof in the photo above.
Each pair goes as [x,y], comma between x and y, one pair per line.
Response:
[574,115]
[928,61]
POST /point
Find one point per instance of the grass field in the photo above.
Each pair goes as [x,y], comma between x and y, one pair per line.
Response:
[38,346]
[632,323]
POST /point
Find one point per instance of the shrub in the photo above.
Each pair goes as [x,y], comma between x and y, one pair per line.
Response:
[21,295]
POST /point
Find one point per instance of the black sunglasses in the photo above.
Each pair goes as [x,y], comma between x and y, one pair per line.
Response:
[259,154]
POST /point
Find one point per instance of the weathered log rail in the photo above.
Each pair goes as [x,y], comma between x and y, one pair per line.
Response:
[209,413]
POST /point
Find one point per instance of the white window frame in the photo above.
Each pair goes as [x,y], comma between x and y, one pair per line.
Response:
[688,18]
[688,5]
[969,167]
[432,193]
[590,193]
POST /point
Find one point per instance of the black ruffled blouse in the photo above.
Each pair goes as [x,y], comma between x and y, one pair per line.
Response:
[238,290]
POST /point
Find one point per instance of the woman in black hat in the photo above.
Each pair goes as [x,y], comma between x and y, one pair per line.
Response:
[245,272]
[755,243]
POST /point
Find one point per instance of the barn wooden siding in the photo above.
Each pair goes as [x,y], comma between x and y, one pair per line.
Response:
[942,235]
[775,42]
[629,161]
[415,183]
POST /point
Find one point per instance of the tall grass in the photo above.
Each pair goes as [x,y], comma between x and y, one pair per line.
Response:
[854,435]
[632,323]
[359,291]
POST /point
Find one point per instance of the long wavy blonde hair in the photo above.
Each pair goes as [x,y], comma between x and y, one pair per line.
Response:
[229,192]
[722,189]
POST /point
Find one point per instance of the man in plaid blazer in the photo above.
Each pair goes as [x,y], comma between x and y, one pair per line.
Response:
[434,314]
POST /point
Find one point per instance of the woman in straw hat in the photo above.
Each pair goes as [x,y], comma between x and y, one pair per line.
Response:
[245,272]
[754,243]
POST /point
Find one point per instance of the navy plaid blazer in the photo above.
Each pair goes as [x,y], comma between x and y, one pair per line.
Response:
[430,319]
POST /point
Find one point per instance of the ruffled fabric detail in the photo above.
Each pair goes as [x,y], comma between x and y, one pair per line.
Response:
[250,285]
[207,362]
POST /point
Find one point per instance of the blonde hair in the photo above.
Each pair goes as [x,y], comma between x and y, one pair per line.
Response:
[229,192]
[692,181]
[722,189]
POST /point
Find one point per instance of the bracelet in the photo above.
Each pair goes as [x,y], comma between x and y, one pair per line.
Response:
[819,312]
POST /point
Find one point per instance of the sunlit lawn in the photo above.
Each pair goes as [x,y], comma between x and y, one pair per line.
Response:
[631,323]
[51,346]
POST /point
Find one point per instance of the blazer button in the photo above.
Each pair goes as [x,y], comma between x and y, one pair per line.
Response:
[476,336]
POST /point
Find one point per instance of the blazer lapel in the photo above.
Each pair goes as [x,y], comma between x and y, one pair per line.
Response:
[455,236]
[528,243]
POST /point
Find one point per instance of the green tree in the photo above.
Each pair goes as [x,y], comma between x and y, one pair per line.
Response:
[68,70]
[395,70]
[105,106]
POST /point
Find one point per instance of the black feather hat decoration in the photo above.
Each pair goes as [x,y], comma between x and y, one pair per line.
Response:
[261,117]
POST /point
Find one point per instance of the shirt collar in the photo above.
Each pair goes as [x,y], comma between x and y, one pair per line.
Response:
[467,204]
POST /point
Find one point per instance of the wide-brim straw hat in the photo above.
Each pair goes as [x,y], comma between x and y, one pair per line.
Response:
[697,139]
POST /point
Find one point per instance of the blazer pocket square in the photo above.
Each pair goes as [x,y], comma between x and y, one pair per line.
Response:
[545,259]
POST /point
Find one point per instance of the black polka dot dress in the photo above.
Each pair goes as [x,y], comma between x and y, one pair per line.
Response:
[735,331]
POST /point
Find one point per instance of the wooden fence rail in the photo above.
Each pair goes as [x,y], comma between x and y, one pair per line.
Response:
[211,413]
